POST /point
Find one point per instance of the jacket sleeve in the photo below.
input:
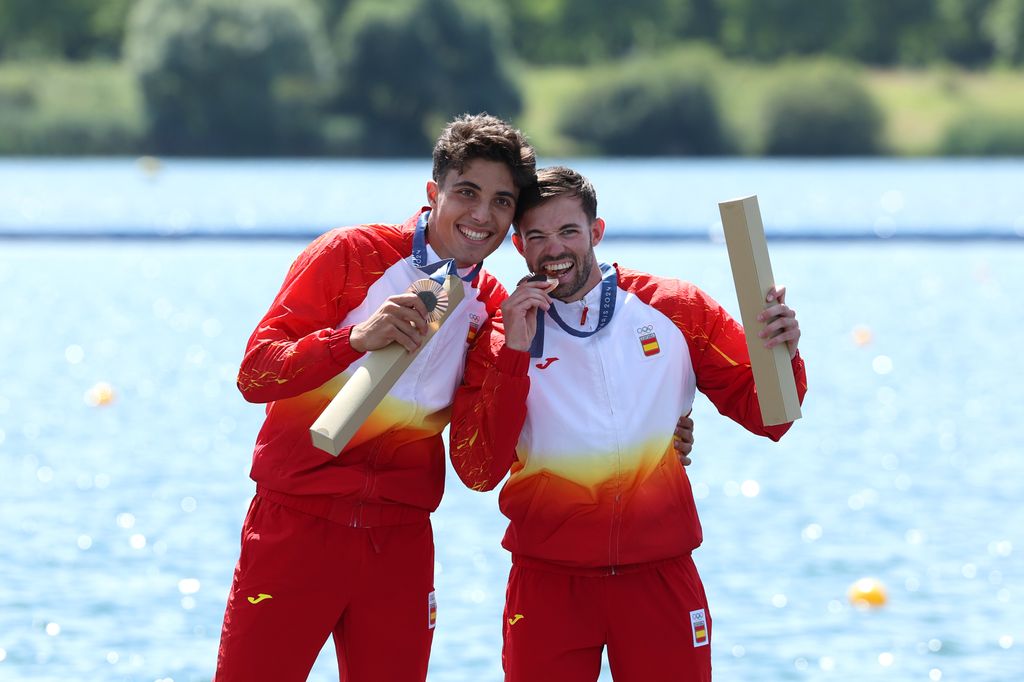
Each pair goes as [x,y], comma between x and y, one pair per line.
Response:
[295,347]
[718,350]
[489,409]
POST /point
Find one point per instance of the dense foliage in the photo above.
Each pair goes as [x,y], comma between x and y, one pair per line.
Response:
[70,29]
[47,109]
[375,77]
[968,32]
[820,109]
[406,66]
[651,108]
[225,77]
[982,134]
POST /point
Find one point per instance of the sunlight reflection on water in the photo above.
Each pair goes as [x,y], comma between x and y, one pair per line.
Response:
[120,521]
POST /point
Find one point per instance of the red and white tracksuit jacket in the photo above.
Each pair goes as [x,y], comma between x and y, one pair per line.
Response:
[587,428]
[299,357]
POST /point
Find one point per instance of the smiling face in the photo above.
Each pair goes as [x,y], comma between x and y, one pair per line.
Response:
[471,211]
[557,239]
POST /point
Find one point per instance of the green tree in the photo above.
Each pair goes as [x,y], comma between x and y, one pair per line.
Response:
[870,31]
[331,10]
[69,29]
[770,29]
[961,32]
[820,109]
[887,32]
[1004,27]
[648,107]
[230,76]
[407,66]
[981,133]
[581,31]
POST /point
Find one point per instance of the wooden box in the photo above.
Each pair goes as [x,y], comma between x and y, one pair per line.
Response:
[752,274]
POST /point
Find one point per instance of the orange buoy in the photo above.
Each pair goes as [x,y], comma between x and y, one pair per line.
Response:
[867,593]
[862,335]
[100,394]
[150,165]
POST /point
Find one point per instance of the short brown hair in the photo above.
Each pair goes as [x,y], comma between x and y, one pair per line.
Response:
[483,136]
[558,181]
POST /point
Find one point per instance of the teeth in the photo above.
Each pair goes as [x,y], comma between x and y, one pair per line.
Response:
[473,234]
[556,267]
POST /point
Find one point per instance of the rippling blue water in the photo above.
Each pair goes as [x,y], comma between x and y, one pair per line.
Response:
[639,198]
[119,523]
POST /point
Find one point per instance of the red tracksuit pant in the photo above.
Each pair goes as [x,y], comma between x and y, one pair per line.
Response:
[302,578]
[654,621]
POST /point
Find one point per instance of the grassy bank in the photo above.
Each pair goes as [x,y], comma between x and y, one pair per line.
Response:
[69,108]
[95,108]
[918,106]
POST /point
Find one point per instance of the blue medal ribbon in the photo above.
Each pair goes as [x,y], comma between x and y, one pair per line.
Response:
[442,268]
[609,287]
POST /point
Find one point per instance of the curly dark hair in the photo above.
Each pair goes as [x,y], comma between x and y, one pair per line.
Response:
[483,136]
[558,181]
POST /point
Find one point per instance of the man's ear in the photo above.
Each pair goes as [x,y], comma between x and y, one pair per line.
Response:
[517,241]
[432,190]
[596,231]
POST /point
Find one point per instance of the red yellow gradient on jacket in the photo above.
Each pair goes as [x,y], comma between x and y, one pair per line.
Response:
[400,419]
[558,519]
[593,470]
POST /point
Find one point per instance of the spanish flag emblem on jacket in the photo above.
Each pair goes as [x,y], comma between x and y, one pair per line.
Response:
[649,343]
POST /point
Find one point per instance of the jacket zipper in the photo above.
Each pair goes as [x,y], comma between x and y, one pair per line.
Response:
[616,520]
[371,472]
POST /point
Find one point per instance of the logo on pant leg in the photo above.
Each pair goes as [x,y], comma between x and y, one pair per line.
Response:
[699,625]
[260,597]
[515,619]
[431,611]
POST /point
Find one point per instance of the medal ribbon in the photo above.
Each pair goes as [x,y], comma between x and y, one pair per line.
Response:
[609,287]
[442,268]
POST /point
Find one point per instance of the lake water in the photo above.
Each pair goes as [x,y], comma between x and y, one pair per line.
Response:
[639,198]
[119,522]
